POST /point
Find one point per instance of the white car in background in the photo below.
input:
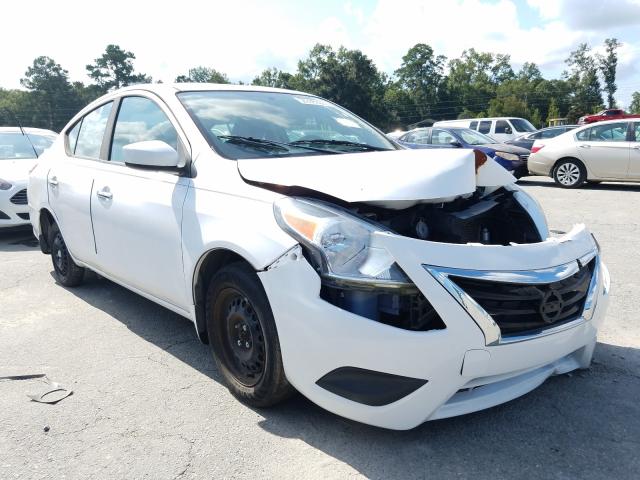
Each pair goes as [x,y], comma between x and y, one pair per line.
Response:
[389,286]
[499,128]
[19,151]
[597,152]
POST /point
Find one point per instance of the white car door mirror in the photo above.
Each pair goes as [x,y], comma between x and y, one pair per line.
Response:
[152,153]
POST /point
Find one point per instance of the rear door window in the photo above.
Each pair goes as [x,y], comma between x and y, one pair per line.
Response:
[613,132]
[485,126]
[92,127]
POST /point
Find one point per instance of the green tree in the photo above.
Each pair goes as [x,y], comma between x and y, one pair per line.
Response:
[114,69]
[52,101]
[203,75]
[272,77]
[608,64]
[347,77]
[473,79]
[420,78]
[586,93]
[536,119]
[635,103]
[554,111]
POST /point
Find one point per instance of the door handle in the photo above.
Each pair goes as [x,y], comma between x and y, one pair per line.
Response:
[585,146]
[53,181]
[105,193]
[636,147]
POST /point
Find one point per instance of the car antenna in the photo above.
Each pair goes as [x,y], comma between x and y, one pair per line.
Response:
[22,130]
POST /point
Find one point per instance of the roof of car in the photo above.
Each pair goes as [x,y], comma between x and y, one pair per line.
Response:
[31,130]
[190,87]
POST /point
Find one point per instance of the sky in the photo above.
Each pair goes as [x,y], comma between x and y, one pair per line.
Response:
[242,38]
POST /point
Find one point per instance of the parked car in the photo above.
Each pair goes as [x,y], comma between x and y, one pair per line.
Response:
[610,114]
[526,141]
[513,158]
[390,286]
[19,150]
[591,153]
[500,128]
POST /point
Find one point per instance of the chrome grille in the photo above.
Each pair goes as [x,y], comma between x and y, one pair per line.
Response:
[520,308]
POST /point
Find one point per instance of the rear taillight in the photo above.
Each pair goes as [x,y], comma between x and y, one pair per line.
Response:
[536,148]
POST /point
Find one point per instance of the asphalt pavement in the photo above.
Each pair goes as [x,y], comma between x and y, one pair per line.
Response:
[148,403]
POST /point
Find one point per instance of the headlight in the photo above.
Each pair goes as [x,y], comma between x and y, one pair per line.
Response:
[342,244]
[508,156]
[4,185]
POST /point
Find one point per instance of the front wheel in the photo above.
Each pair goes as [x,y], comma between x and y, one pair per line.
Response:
[569,173]
[66,271]
[243,337]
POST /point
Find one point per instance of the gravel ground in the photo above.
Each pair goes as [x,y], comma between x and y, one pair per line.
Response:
[148,402]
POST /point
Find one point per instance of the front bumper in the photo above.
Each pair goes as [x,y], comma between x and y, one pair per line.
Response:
[463,373]
[13,210]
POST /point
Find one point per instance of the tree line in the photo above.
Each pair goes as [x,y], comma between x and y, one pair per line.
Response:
[425,87]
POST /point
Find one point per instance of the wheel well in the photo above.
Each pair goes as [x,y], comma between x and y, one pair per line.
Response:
[577,160]
[46,221]
[210,263]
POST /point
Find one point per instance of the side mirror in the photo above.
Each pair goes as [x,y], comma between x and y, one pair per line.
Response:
[455,144]
[508,130]
[152,153]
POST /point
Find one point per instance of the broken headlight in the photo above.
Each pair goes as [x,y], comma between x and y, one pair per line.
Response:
[341,244]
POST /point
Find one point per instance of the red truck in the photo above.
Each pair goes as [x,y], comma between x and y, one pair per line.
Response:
[611,114]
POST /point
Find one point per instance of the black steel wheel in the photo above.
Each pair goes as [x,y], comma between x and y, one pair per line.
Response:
[66,271]
[243,337]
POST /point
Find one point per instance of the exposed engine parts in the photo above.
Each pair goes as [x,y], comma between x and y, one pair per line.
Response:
[497,219]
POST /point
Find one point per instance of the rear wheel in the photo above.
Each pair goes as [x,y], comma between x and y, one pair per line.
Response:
[569,173]
[66,271]
[243,337]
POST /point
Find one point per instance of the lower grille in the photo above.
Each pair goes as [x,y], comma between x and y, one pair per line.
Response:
[24,216]
[19,198]
[525,308]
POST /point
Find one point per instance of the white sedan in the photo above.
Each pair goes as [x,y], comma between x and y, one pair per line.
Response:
[19,151]
[389,286]
[604,151]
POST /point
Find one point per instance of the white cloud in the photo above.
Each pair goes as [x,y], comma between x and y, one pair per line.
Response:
[241,38]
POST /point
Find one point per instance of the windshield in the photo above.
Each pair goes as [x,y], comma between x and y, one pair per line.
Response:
[15,145]
[244,124]
[474,138]
[521,125]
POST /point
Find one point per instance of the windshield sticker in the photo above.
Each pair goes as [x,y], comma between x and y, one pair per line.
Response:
[312,101]
[346,122]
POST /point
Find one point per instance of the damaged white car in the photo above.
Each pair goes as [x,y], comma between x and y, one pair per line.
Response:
[388,286]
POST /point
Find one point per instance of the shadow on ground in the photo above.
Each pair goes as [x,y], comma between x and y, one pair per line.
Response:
[620,187]
[582,425]
[17,239]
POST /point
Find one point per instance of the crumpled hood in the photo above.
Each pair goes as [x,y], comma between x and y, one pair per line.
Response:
[16,170]
[393,179]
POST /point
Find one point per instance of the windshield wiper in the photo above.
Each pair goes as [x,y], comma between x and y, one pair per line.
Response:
[346,143]
[268,143]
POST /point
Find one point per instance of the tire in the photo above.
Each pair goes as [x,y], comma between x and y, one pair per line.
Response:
[66,271]
[569,173]
[243,337]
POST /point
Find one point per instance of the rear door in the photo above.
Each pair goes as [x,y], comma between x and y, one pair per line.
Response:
[137,212]
[70,181]
[605,149]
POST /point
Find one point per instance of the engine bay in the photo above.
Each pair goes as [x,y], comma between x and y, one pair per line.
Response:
[494,219]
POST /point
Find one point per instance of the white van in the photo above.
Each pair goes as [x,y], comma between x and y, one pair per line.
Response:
[500,128]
